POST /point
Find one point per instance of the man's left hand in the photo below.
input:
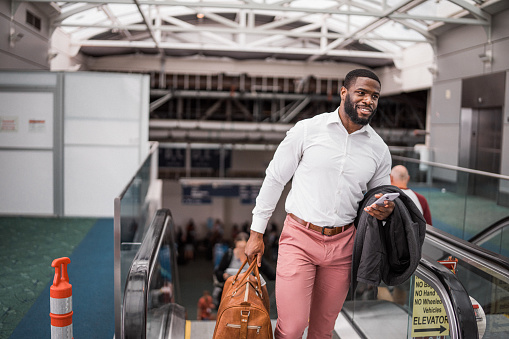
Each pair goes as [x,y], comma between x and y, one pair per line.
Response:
[381,212]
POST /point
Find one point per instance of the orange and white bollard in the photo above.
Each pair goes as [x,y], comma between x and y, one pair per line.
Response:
[61,301]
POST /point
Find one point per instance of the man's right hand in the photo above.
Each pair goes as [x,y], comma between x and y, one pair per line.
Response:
[255,247]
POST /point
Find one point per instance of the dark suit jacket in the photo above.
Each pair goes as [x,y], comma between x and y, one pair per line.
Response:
[392,252]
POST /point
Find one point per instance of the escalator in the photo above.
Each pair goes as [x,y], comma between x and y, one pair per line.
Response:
[450,311]
[151,306]
[483,274]
[472,302]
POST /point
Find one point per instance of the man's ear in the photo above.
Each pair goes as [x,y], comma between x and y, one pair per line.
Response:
[342,92]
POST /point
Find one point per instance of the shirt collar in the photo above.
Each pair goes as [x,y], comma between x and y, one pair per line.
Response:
[334,118]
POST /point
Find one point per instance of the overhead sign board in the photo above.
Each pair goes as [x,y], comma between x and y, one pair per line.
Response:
[429,318]
[202,193]
[248,194]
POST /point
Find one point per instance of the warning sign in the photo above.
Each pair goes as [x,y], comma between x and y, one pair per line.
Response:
[36,126]
[8,124]
[429,317]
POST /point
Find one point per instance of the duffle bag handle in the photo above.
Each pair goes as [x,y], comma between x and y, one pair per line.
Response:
[252,267]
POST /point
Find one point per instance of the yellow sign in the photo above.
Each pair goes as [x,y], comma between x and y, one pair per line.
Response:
[429,317]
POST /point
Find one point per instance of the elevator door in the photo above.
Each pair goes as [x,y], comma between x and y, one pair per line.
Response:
[486,149]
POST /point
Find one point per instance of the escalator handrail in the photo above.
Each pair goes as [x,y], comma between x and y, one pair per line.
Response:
[477,256]
[502,223]
[451,167]
[456,301]
[134,312]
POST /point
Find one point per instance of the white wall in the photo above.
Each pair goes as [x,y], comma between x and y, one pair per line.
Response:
[77,139]
[27,120]
[27,152]
[31,51]
[104,133]
[445,121]
[411,72]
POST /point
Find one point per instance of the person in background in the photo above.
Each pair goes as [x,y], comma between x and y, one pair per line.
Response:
[333,159]
[400,179]
[234,232]
[190,240]
[217,232]
[205,307]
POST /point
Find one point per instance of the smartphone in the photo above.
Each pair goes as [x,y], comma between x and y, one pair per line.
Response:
[386,196]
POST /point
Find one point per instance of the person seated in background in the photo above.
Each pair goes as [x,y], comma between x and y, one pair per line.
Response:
[232,261]
[205,306]
[400,179]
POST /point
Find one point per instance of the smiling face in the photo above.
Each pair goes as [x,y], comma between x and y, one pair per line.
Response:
[359,103]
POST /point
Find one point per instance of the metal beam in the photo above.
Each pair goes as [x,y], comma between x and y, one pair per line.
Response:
[149,27]
[213,47]
[161,101]
[243,96]
[293,113]
[269,33]
[212,109]
[247,114]
[74,11]
[478,12]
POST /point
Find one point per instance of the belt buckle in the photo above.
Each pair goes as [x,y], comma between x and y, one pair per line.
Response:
[323,230]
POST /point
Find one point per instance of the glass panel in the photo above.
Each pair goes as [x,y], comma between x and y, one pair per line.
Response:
[492,243]
[133,219]
[504,242]
[461,203]
[484,289]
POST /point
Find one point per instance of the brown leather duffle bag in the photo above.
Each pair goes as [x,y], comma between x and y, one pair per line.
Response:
[244,308]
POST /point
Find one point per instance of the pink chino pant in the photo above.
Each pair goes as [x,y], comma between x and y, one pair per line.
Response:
[312,281]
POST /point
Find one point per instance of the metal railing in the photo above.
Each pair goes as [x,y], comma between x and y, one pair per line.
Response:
[150,308]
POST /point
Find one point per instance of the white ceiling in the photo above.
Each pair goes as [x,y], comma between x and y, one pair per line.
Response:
[367,32]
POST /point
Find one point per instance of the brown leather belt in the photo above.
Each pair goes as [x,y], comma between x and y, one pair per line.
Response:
[326,230]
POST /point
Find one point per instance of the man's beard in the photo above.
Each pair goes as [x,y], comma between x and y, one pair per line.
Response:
[353,115]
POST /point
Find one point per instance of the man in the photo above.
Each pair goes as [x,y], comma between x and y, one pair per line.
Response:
[400,179]
[334,158]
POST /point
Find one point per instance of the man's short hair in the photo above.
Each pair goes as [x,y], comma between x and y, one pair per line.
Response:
[352,76]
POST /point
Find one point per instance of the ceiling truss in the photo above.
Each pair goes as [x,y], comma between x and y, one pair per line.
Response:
[284,28]
[325,31]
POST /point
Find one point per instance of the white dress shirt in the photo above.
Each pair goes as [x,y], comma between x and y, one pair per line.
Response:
[411,195]
[331,171]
